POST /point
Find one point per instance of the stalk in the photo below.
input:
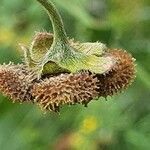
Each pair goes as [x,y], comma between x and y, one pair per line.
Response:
[57,23]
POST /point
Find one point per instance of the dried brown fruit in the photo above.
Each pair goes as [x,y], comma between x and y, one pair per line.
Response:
[121,75]
[20,84]
[69,89]
[16,81]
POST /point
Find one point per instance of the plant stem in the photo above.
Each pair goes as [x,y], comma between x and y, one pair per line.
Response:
[57,23]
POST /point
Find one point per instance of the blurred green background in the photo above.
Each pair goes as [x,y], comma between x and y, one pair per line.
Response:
[120,123]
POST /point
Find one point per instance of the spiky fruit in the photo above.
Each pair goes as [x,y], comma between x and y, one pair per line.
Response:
[16,81]
[121,75]
[20,84]
[69,89]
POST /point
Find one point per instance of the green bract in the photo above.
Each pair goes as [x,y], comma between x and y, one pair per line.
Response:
[58,54]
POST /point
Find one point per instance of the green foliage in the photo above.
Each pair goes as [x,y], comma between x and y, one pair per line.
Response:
[122,122]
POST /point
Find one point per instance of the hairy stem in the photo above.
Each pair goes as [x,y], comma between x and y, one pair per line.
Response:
[58,27]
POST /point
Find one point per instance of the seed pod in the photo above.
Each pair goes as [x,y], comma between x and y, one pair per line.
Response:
[69,89]
[16,81]
[120,76]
